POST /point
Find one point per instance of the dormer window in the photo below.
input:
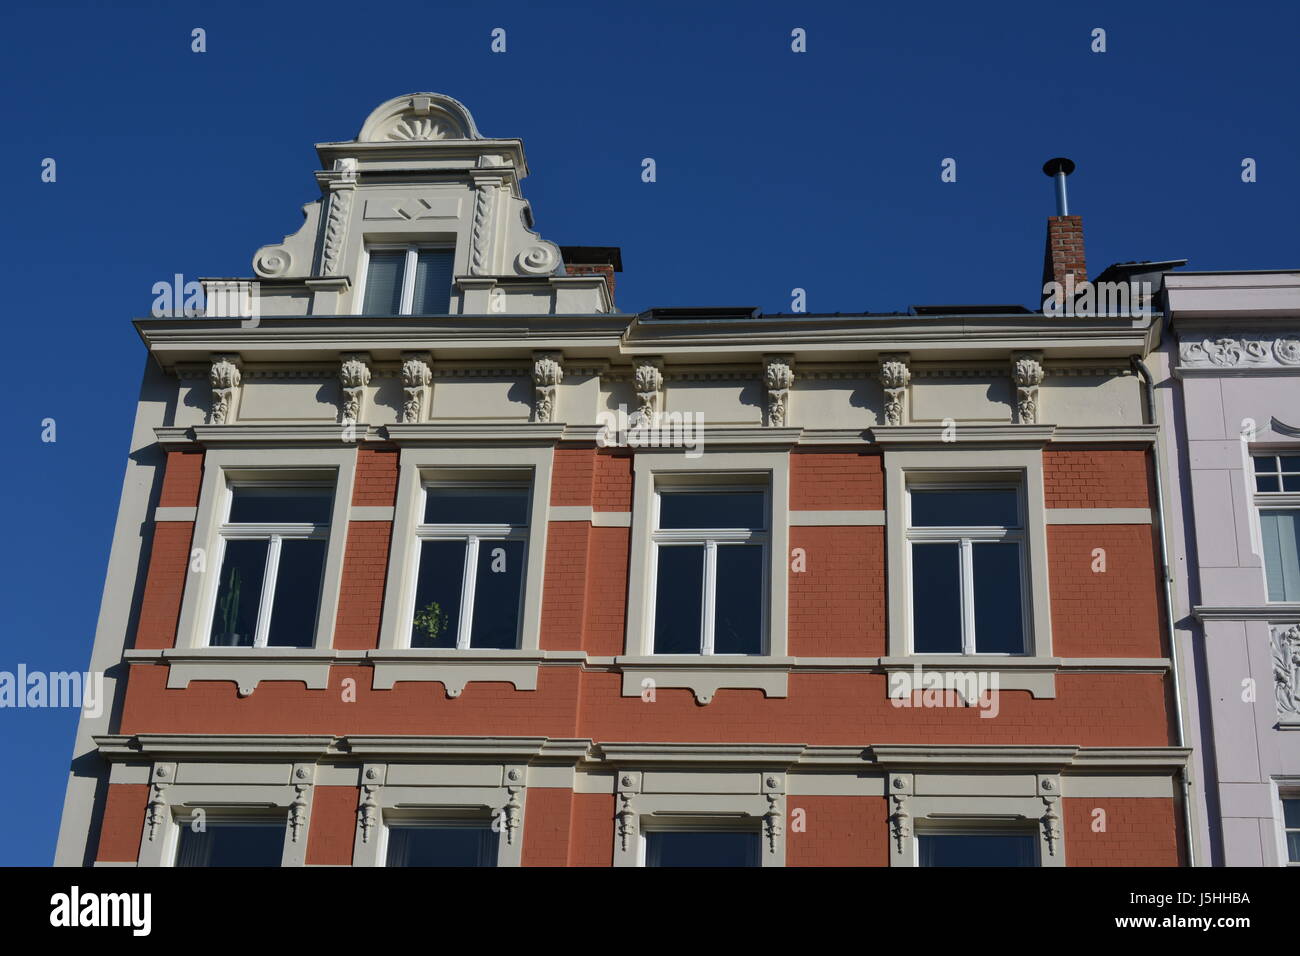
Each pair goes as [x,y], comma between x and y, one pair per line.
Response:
[407,279]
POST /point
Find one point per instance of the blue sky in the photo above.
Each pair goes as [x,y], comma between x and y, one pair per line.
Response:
[775,170]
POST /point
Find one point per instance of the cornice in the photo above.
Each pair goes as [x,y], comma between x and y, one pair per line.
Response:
[1274,613]
[509,433]
[1028,436]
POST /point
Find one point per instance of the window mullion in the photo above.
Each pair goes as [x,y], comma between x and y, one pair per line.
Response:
[967,597]
[708,605]
[467,593]
[408,281]
[269,574]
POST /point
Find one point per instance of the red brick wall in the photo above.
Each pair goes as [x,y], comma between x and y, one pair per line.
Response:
[1115,613]
[1088,477]
[361,591]
[169,554]
[1140,831]
[592,829]
[564,595]
[607,564]
[182,479]
[1065,253]
[572,473]
[840,831]
[837,605]
[612,481]
[832,480]
[332,826]
[375,483]
[547,817]
[123,823]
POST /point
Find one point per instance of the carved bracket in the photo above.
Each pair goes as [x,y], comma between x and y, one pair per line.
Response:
[774,817]
[778,377]
[354,376]
[225,377]
[900,819]
[372,778]
[547,375]
[894,377]
[156,814]
[304,776]
[1027,371]
[511,814]
[416,376]
[1286,670]
[629,785]
[1049,790]
[648,379]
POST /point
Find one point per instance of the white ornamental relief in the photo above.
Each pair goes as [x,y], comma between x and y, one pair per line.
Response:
[547,375]
[648,380]
[894,378]
[1027,372]
[416,376]
[778,378]
[354,376]
[1286,670]
[225,378]
[538,260]
[1252,350]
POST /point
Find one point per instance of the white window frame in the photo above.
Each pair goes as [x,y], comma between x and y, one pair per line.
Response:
[472,535]
[182,819]
[721,823]
[710,538]
[413,250]
[449,817]
[965,536]
[976,828]
[1266,501]
[275,534]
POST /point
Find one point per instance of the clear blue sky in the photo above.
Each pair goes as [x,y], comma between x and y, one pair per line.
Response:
[776,170]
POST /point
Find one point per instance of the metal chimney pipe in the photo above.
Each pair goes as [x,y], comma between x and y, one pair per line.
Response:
[1058,169]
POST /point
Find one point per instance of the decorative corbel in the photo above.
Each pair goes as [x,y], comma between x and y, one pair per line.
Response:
[629,785]
[225,377]
[547,375]
[157,812]
[1049,790]
[900,820]
[416,376]
[895,375]
[648,379]
[368,808]
[1027,371]
[343,183]
[774,817]
[303,778]
[354,376]
[778,377]
[512,812]
[1286,670]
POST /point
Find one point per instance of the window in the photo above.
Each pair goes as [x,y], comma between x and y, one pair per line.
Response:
[966,551]
[272,564]
[1291,826]
[236,842]
[408,280]
[1277,484]
[698,847]
[469,579]
[442,843]
[710,591]
[977,848]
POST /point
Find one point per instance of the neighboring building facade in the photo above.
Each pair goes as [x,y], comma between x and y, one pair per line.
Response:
[387,589]
[1231,407]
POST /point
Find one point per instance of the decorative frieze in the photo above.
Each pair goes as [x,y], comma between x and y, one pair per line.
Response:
[1249,350]
[354,376]
[416,376]
[894,378]
[1027,372]
[1286,670]
[547,375]
[481,235]
[339,215]
[225,377]
[648,379]
[778,378]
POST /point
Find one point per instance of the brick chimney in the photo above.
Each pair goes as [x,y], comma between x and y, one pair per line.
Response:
[1064,253]
[593,260]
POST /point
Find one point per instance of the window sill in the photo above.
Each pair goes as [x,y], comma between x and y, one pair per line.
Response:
[454,668]
[246,666]
[1034,674]
[705,676]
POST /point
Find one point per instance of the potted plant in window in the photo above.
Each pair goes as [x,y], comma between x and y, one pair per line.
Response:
[431,622]
[225,635]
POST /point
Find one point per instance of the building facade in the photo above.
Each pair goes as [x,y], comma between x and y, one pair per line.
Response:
[1231,403]
[442,559]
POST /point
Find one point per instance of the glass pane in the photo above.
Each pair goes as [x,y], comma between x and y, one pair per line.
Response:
[497,590]
[959,508]
[442,846]
[250,504]
[1291,813]
[437,594]
[1293,847]
[297,593]
[1291,482]
[1265,463]
[679,597]
[999,625]
[738,611]
[432,283]
[702,848]
[476,506]
[234,619]
[978,849]
[384,282]
[1266,483]
[231,844]
[712,509]
[1291,462]
[936,598]
[1281,533]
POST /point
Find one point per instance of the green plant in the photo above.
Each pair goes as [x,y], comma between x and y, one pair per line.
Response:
[431,621]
